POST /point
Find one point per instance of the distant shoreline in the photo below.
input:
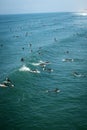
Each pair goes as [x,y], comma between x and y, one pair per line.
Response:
[40,13]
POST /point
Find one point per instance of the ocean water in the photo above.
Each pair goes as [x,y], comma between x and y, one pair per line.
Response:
[59,42]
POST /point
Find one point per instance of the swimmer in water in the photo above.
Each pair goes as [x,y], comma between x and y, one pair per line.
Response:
[22,59]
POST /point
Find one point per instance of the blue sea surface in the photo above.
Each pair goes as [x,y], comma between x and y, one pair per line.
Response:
[39,53]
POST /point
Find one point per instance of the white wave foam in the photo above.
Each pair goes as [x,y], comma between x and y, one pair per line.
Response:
[36,64]
[76,74]
[67,60]
[81,14]
[25,68]
[35,71]
[44,62]
[3,85]
[79,75]
[41,63]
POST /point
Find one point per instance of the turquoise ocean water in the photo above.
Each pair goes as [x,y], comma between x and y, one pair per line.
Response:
[61,40]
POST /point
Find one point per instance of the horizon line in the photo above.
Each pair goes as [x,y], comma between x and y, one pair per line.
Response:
[38,12]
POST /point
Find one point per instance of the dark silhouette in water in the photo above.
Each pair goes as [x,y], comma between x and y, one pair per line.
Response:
[26,34]
[30,45]
[40,48]
[31,50]
[67,52]
[8,80]
[56,90]
[1,45]
[76,73]
[22,59]
[22,48]
[55,39]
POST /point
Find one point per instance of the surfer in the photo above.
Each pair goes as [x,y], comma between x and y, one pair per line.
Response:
[8,82]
